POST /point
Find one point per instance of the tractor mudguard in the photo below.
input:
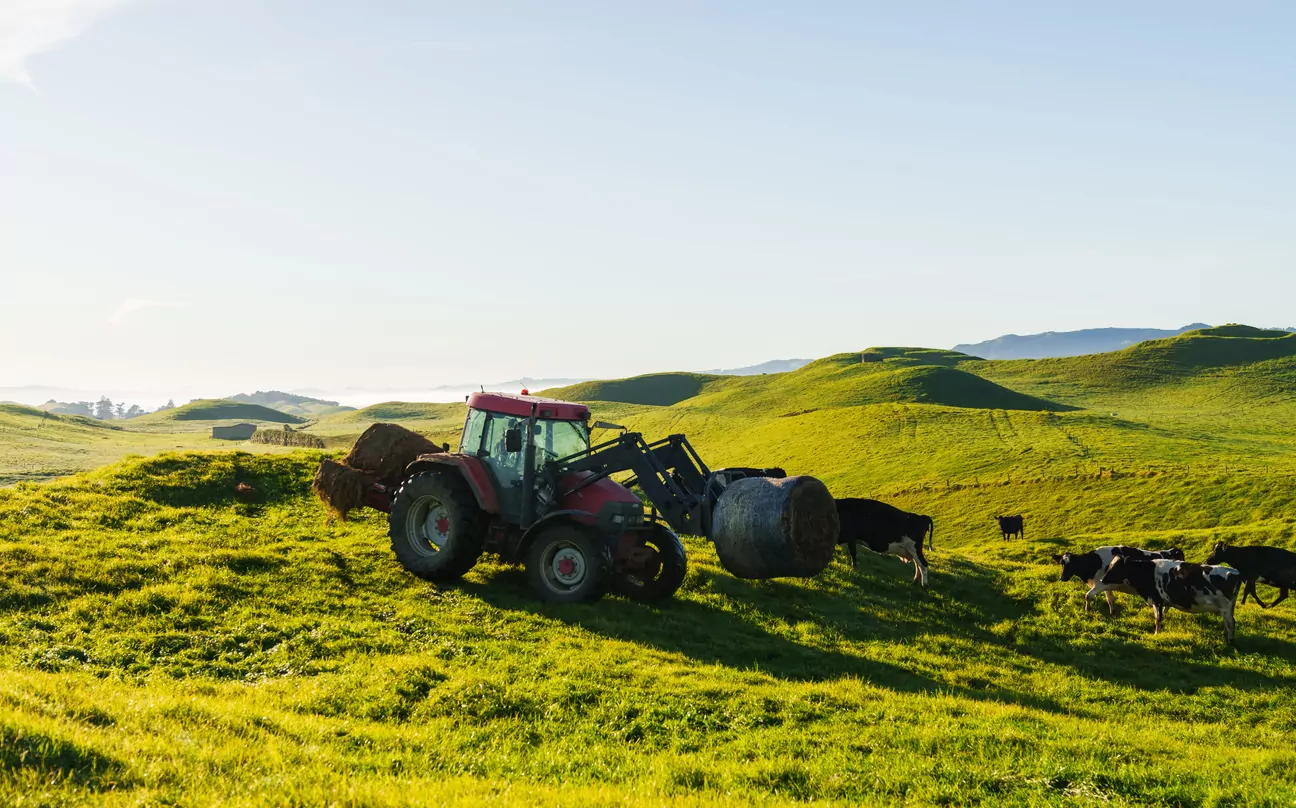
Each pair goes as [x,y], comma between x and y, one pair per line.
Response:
[582,518]
[611,523]
[473,471]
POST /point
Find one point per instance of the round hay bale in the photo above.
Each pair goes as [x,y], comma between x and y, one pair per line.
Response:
[384,450]
[774,528]
[340,487]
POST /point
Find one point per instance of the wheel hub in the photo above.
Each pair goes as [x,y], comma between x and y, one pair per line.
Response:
[568,566]
[434,524]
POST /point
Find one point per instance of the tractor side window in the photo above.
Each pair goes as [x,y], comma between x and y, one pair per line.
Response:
[471,442]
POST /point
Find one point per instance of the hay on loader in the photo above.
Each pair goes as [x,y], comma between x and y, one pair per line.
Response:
[384,450]
[340,487]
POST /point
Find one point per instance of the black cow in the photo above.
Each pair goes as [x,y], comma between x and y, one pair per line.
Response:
[1188,587]
[1088,567]
[1272,566]
[1011,526]
[884,529]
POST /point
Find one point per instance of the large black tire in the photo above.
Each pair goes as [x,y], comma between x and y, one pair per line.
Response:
[435,526]
[668,571]
[569,564]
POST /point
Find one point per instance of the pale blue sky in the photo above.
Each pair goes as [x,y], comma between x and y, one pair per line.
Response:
[404,193]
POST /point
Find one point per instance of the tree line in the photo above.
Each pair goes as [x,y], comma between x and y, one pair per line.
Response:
[105,409]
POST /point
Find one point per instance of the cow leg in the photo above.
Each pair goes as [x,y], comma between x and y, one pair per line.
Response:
[1158,613]
[1251,590]
[1089,596]
[854,560]
[1229,626]
[1111,602]
[1282,595]
[920,564]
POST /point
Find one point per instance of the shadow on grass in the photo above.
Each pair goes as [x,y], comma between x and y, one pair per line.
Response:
[737,639]
[722,620]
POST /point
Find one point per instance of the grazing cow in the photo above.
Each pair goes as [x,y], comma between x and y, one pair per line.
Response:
[1188,587]
[884,529]
[1088,567]
[1272,566]
[1011,526]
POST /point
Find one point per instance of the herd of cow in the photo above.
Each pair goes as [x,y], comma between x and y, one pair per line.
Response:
[1160,577]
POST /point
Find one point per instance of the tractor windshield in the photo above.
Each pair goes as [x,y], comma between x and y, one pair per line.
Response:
[555,439]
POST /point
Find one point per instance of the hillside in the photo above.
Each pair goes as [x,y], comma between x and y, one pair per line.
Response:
[154,629]
[218,409]
[35,445]
[303,406]
[179,629]
[1068,343]
[903,375]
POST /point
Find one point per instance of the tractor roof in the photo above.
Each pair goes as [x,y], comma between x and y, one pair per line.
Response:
[510,404]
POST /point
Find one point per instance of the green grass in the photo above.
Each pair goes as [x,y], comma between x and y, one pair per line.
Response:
[162,642]
[37,446]
[217,409]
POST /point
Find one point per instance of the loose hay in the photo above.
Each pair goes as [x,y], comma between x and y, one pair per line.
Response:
[340,487]
[384,450]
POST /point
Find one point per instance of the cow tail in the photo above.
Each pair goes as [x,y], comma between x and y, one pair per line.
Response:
[931,533]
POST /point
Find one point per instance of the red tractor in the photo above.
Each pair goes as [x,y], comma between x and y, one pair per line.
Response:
[527,485]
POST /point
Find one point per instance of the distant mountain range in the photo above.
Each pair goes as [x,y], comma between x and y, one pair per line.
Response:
[1068,343]
[772,366]
[290,403]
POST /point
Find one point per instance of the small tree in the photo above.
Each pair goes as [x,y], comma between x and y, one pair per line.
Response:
[170,405]
[103,409]
[119,411]
[135,411]
[79,408]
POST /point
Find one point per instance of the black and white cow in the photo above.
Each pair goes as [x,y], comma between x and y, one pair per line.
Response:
[884,529]
[1088,567]
[1272,566]
[1011,526]
[1187,587]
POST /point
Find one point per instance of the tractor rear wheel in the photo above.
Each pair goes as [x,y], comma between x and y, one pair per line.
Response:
[569,564]
[435,526]
[662,576]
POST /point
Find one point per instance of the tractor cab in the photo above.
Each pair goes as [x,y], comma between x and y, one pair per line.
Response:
[516,435]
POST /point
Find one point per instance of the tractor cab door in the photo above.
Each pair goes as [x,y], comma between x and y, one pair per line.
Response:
[504,466]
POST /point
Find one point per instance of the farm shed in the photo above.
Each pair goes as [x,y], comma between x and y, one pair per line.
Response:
[236,432]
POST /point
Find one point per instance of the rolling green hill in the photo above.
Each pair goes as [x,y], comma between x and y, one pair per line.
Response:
[656,389]
[218,409]
[162,642]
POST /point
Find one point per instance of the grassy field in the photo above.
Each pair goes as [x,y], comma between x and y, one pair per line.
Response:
[163,643]
[38,446]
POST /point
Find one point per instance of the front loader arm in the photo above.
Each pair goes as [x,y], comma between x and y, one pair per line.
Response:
[669,471]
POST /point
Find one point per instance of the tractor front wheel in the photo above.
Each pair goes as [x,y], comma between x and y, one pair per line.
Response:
[569,564]
[435,526]
[661,572]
